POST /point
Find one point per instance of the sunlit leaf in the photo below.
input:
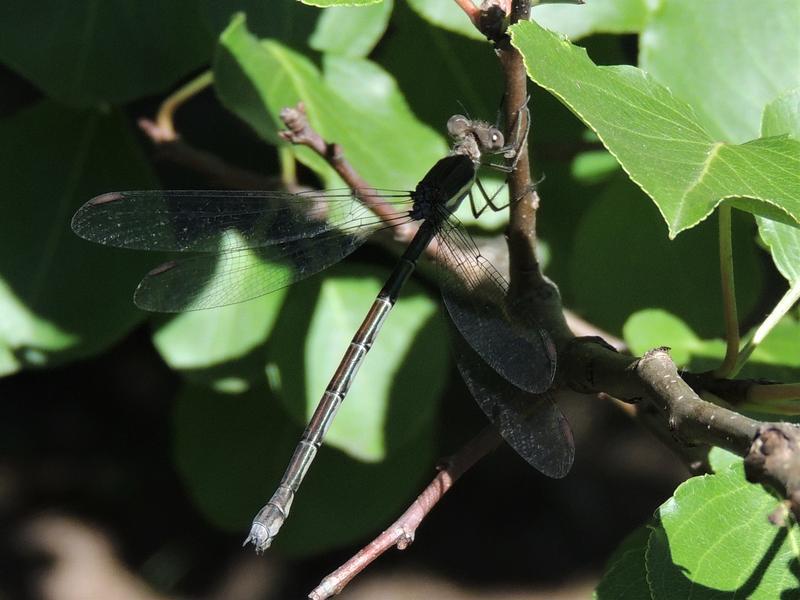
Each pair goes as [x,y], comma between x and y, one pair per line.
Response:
[447,15]
[721,459]
[258,79]
[596,16]
[334,3]
[207,344]
[712,523]
[658,139]
[782,116]
[351,30]
[777,358]
[725,58]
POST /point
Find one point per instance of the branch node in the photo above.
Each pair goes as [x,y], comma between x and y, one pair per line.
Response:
[774,460]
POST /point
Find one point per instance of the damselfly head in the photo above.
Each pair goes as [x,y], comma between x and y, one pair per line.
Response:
[489,136]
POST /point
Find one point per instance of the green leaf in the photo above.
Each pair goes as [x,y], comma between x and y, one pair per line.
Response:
[596,16]
[726,58]
[231,450]
[625,574]
[715,541]
[782,116]
[721,459]
[777,358]
[398,386]
[86,53]
[566,16]
[62,297]
[651,328]
[784,246]
[209,344]
[649,271]
[659,141]
[334,3]
[8,362]
[593,166]
[384,142]
[446,15]
[351,31]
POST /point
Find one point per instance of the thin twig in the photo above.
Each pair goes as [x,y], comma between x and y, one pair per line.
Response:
[299,131]
[401,532]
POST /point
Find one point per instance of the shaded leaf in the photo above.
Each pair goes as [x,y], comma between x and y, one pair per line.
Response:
[399,384]
[658,139]
[87,53]
[594,166]
[649,271]
[60,296]
[625,574]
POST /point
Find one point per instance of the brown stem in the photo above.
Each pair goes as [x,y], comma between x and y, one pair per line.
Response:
[401,532]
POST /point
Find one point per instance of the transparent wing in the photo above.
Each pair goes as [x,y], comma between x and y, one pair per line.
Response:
[194,221]
[532,424]
[239,274]
[475,295]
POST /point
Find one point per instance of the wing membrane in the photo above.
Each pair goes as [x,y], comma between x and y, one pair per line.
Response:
[475,295]
[532,424]
[194,221]
[239,274]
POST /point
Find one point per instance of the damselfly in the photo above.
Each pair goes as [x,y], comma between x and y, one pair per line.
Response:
[302,234]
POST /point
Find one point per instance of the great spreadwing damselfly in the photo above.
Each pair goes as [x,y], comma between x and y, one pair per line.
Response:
[508,362]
